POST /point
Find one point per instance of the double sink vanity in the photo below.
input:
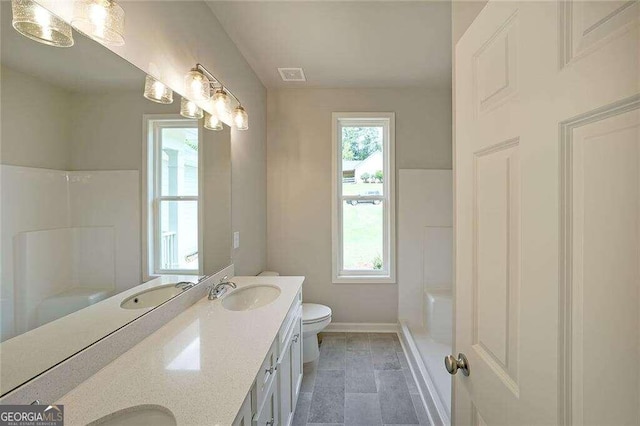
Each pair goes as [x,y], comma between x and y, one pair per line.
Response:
[236,360]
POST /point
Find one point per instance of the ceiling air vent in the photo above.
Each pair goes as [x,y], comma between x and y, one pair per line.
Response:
[292,74]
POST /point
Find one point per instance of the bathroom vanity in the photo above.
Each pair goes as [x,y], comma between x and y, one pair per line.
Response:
[239,364]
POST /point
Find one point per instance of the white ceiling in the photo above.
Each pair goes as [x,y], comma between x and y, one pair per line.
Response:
[343,43]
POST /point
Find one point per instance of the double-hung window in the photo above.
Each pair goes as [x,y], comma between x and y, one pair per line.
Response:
[363,220]
[173,188]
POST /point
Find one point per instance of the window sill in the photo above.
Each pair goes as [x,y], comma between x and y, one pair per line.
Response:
[363,279]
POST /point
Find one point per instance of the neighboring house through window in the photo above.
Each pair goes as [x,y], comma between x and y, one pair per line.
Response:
[363,217]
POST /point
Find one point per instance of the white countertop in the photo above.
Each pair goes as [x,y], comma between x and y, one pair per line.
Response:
[200,365]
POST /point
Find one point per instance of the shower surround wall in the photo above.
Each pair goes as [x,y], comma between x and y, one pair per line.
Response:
[102,207]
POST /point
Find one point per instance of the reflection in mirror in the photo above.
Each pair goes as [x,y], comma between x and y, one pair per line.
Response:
[88,222]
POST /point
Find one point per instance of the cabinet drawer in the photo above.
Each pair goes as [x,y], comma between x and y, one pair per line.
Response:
[266,374]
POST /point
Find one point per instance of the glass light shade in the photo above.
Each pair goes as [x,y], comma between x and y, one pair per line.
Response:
[156,91]
[241,118]
[34,21]
[221,101]
[212,122]
[102,20]
[189,109]
[196,86]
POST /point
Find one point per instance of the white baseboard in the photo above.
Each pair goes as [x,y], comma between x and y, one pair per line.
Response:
[436,411]
[363,327]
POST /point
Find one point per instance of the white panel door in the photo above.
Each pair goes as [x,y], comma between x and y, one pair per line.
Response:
[548,214]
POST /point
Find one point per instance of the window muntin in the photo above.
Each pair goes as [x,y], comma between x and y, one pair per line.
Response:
[363,234]
[173,194]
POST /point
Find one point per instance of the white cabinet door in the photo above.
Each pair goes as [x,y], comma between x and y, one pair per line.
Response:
[284,379]
[244,416]
[290,371]
[268,414]
[296,363]
[548,214]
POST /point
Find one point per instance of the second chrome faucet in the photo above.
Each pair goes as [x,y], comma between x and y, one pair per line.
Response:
[216,291]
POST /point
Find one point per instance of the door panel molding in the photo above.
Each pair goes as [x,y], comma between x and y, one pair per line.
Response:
[584,27]
[496,206]
[567,287]
[495,76]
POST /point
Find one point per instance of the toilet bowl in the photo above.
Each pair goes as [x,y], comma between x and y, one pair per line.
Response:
[314,319]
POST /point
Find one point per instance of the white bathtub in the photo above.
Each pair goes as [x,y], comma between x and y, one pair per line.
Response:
[438,308]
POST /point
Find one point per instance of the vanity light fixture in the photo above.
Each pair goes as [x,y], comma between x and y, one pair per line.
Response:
[189,109]
[197,85]
[156,91]
[240,118]
[212,122]
[37,23]
[102,20]
[218,106]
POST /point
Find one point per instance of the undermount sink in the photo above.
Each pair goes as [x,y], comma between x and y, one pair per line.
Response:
[139,415]
[152,297]
[251,297]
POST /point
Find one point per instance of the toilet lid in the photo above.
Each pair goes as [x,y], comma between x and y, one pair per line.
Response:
[312,312]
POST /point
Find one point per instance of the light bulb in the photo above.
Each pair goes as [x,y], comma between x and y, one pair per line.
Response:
[196,85]
[102,20]
[189,109]
[212,122]
[221,101]
[156,91]
[241,118]
[37,23]
[98,17]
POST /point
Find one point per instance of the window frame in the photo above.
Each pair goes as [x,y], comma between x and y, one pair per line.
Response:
[388,274]
[151,188]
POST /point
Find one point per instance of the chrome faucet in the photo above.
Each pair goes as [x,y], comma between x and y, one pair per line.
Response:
[185,285]
[216,291]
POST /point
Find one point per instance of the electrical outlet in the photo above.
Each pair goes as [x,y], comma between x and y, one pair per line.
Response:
[236,239]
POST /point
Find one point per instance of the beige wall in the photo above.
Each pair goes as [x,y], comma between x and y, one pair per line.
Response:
[299,183]
[107,131]
[37,112]
[462,15]
[167,38]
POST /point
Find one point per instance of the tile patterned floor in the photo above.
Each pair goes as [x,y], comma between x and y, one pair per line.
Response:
[359,379]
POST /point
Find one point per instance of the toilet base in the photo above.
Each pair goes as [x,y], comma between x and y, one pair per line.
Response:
[310,330]
[310,349]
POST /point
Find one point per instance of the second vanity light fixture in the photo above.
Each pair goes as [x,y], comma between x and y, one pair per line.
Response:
[37,23]
[199,83]
[102,20]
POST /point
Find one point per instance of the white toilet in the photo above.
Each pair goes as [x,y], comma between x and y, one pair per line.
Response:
[314,319]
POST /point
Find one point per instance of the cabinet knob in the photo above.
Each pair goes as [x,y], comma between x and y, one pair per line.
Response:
[295,338]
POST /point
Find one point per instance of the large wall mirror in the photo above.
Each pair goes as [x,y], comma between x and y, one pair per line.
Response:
[104,195]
